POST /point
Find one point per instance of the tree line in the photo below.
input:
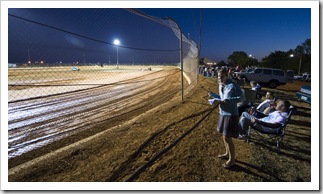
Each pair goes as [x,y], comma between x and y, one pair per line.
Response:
[298,59]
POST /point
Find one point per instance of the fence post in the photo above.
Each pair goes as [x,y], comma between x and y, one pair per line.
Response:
[182,66]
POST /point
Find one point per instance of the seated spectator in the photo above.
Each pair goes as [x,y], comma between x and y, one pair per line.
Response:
[260,110]
[273,120]
[266,103]
[256,87]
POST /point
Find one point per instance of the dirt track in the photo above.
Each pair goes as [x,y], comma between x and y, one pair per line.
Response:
[58,120]
[116,154]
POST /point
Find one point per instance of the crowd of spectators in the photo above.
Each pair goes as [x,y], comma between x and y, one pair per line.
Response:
[211,71]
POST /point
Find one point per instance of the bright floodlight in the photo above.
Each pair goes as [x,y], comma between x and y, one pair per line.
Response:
[116,42]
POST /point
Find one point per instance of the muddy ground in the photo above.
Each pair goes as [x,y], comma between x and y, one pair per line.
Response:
[177,142]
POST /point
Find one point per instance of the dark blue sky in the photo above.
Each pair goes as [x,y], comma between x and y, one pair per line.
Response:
[256,31]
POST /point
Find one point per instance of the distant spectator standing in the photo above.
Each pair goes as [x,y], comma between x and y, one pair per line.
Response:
[212,72]
[206,72]
[238,68]
[201,69]
[230,72]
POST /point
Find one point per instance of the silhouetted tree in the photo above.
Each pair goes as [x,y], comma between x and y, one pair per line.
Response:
[306,57]
[277,59]
[238,57]
[307,46]
[221,63]
[297,59]
[252,62]
[302,57]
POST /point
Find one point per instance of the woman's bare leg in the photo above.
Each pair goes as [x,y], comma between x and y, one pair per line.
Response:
[231,150]
[226,154]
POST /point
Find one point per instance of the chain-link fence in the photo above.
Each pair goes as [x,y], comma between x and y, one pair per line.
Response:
[66,76]
[39,67]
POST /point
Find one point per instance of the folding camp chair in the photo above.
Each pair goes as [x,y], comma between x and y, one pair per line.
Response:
[250,95]
[248,101]
[274,134]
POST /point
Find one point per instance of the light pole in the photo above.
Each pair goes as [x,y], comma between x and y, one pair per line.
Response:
[252,59]
[117,42]
[299,64]
[29,61]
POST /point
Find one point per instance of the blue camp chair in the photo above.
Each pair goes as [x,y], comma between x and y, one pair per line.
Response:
[275,135]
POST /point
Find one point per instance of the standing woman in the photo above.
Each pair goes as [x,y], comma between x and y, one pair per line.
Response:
[230,94]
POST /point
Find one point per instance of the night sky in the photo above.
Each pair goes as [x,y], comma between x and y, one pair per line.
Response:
[255,31]
[87,35]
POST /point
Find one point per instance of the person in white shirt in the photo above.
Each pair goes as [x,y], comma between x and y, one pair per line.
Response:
[260,110]
[274,120]
[266,103]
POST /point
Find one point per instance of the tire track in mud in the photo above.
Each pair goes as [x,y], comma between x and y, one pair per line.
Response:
[137,98]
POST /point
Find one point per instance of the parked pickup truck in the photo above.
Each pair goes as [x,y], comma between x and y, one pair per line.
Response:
[270,77]
[304,94]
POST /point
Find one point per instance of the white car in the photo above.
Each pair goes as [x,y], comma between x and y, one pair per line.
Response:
[304,77]
[298,77]
[75,69]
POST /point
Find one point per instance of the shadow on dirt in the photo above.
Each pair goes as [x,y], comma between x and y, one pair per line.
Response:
[247,168]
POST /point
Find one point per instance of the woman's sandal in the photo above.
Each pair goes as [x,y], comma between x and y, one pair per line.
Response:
[228,166]
[223,156]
